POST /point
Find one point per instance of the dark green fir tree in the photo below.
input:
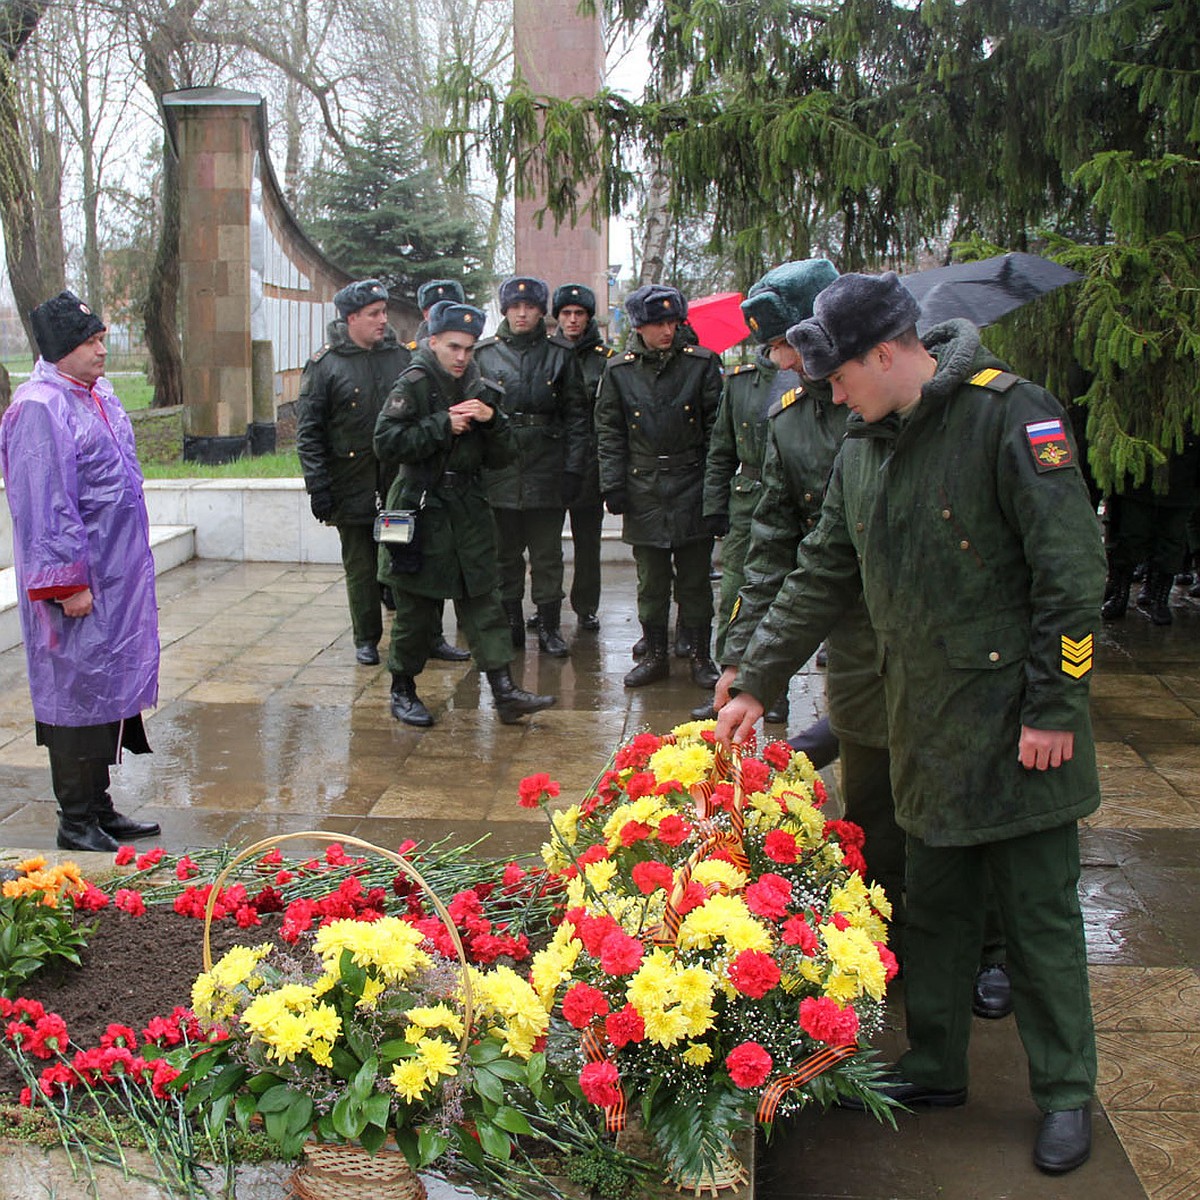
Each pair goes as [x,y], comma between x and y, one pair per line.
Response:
[383,212]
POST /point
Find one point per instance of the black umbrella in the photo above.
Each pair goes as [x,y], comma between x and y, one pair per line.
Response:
[984,291]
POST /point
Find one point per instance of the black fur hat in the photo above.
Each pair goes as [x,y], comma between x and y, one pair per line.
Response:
[429,293]
[655,302]
[854,313]
[524,287]
[574,293]
[448,317]
[358,295]
[62,323]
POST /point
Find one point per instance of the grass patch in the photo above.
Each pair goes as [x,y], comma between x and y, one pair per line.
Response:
[133,389]
[284,465]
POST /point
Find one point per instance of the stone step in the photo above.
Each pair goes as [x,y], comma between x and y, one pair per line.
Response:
[171,545]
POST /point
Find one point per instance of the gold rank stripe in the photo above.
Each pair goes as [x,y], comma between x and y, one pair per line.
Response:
[984,377]
[1076,656]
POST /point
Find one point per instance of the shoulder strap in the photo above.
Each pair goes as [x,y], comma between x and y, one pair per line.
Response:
[785,401]
[995,380]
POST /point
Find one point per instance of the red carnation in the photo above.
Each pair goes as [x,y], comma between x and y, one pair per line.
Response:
[601,1084]
[91,899]
[150,859]
[754,973]
[826,1020]
[721,798]
[769,896]
[673,830]
[798,932]
[840,921]
[625,1026]
[778,754]
[637,753]
[635,831]
[582,1003]
[185,868]
[781,846]
[650,876]
[820,795]
[755,774]
[748,1065]
[890,966]
[620,954]
[130,901]
[639,785]
[693,896]
[124,856]
[596,852]
[534,790]
[513,874]
[592,931]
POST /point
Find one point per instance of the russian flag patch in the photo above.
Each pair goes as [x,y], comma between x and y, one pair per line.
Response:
[1049,445]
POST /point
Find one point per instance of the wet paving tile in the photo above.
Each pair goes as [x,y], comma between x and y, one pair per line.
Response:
[1148,1072]
[1164,1149]
[1144,999]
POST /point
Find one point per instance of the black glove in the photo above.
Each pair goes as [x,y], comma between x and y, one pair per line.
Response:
[572,485]
[616,500]
[717,525]
[321,504]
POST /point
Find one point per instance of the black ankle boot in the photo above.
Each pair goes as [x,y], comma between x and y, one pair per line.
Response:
[654,664]
[1116,593]
[1158,606]
[704,670]
[516,622]
[778,713]
[512,702]
[550,639]
[84,835]
[683,645]
[124,828]
[406,705]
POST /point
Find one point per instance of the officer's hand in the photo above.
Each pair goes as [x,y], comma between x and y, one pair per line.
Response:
[78,605]
[572,485]
[1042,749]
[717,525]
[475,409]
[721,691]
[616,500]
[321,504]
[736,721]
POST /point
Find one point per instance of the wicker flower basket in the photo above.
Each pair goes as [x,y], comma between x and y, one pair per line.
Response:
[336,1170]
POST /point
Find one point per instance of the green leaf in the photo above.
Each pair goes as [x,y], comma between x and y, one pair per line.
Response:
[395,1049]
[489,1086]
[430,1145]
[508,1068]
[377,1109]
[229,1080]
[511,1119]
[495,1142]
[372,1138]
[243,1109]
[363,1083]
[354,978]
[276,1099]
[300,1115]
[348,1119]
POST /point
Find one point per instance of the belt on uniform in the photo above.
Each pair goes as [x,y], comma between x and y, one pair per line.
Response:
[457,480]
[753,474]
[531,419]
[667,462]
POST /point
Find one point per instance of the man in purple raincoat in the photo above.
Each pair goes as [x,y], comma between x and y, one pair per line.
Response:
[85,575]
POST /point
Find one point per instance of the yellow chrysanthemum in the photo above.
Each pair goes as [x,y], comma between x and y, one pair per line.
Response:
[566,823]
[665,1026]
[766,806]
[804,818]
[552,965]
[698,1054]
[718,871]
[880,901]
[324,1023]
[390,946]
[36,863]
[646,810]
[600,874]
[723,918]
[437,1057]
[409,1079]
[687,765]
[853,900]
[692,730]
[520,1014]
[673,1002]
[857,968]
[237,966]
[321,1052]
[555,857]
[372,990]
[437,1016]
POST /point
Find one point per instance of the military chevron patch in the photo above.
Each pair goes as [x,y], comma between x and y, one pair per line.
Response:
[1076,656]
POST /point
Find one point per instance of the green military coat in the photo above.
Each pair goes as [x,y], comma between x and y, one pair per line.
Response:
[455,527]
[592,353]
[654,417]
[976,548]
[547,410]
[341,394]
[804,431]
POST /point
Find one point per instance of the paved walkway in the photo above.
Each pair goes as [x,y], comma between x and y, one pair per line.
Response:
[266,726]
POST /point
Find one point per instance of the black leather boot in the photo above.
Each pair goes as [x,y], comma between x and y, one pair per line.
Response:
[640,648]
[115,824]
[1116,592]
[516,622]
[704,670]
[84,835]
[512,702]
[703,712]
[443,651]
[683,646]
[1158,605]
[654,664]
[406,704]
[77,783]
[550,638]
[778,713]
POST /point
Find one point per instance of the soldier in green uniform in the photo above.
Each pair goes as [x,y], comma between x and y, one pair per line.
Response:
[957,510]
[444,425]
[654,417]
[546,407]
[341,394]
[733,476]
[574,308]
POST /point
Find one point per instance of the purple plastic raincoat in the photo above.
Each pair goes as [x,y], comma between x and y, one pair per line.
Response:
[74,487]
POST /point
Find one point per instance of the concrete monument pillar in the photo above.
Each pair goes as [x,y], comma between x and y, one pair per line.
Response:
[560,53]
